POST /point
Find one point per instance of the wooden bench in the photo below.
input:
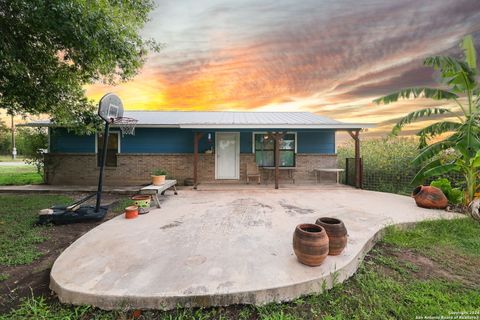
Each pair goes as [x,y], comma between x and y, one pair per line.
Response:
[334,170]
[155,190]
[271,172]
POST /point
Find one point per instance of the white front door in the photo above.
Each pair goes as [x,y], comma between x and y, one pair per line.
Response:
[227,155]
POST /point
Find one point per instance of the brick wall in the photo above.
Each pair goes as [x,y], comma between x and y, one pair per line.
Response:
[134,169]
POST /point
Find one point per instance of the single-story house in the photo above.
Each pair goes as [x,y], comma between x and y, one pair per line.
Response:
[207,147]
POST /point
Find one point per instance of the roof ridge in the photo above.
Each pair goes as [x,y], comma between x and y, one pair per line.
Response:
[210,111]
[238,119]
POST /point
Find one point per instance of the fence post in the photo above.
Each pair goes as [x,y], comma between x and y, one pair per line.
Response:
[347,171]
[358,164]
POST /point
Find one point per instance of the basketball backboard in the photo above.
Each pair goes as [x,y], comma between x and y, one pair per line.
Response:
[110,107]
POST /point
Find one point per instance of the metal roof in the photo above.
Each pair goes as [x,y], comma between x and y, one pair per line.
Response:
[225,120]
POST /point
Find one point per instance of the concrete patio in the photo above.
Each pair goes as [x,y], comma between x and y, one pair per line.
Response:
[212,248]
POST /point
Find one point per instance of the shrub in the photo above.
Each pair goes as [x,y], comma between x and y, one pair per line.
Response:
[159,172]
[454,195]
[386,163]
[31,144]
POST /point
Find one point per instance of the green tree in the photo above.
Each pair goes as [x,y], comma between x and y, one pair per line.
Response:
[49,50]
[458,77]
[5,138]
[32,143]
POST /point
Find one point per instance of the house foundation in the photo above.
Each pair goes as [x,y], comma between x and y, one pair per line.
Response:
[135,168]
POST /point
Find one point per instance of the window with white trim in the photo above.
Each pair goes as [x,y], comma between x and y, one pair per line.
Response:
[113,148]
[264,148]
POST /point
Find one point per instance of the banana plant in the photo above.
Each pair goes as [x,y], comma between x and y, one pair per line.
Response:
[461,92]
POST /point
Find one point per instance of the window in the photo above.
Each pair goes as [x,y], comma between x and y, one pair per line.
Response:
[265,150]
[112,149]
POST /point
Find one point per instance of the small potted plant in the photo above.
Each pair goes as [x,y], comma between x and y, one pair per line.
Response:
[158,176]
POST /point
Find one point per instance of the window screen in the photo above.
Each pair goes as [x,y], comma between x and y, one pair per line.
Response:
[265,150]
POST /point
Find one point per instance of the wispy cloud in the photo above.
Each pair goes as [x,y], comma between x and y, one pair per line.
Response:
[332,57]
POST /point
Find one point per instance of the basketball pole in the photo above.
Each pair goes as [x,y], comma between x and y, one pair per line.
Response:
[102,165]
[14,146]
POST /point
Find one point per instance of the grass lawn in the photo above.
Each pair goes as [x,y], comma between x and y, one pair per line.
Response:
[19,175]
[429,270]
[27,252]
[18,236]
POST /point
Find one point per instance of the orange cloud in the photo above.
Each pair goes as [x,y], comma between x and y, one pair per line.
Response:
[309,56]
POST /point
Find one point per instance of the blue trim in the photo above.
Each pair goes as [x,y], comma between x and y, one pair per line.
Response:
[156,140]
[171,140]
[246,140]
[322,142]
[63,141]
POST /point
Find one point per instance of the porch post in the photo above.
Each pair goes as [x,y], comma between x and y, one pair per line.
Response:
[277,159]
[277,136]
[358,166]
[196,138]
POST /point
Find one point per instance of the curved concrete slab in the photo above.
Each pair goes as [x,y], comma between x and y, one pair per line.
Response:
[219,248]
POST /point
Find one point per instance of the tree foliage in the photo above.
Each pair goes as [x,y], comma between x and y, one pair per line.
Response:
[32,143]
[49,50]
[460,77]
[5,139]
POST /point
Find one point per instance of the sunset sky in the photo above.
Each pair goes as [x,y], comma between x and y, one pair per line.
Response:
[331,57]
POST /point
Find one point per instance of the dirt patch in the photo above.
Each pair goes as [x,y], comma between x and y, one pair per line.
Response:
[294,210]
[464,267]
[448,265]
[171,225]
[247,212]
[34,278]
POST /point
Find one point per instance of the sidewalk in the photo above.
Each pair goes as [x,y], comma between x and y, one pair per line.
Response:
[44,188]
[13,164]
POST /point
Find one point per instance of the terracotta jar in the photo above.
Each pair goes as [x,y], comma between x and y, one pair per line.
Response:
[131,212]
[337,234]
[310,244]
[429,197]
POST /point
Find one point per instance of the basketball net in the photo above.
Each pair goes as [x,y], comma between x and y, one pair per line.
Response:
[126,125]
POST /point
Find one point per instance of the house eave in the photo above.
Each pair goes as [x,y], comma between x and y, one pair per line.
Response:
[338,126]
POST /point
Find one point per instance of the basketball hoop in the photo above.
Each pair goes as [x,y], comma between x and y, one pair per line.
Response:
[110,109]
[126,125]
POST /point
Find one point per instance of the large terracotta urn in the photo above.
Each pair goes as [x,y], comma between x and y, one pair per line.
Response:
[429,197]
[310,244]
[337,234]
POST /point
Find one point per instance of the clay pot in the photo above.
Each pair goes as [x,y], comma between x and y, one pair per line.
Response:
[310,244]
[158,180]
[142,201]
[337,234]
[131,212]
[188,182]
[429,197]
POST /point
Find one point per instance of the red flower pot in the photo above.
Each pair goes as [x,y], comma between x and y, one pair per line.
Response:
[131,212]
